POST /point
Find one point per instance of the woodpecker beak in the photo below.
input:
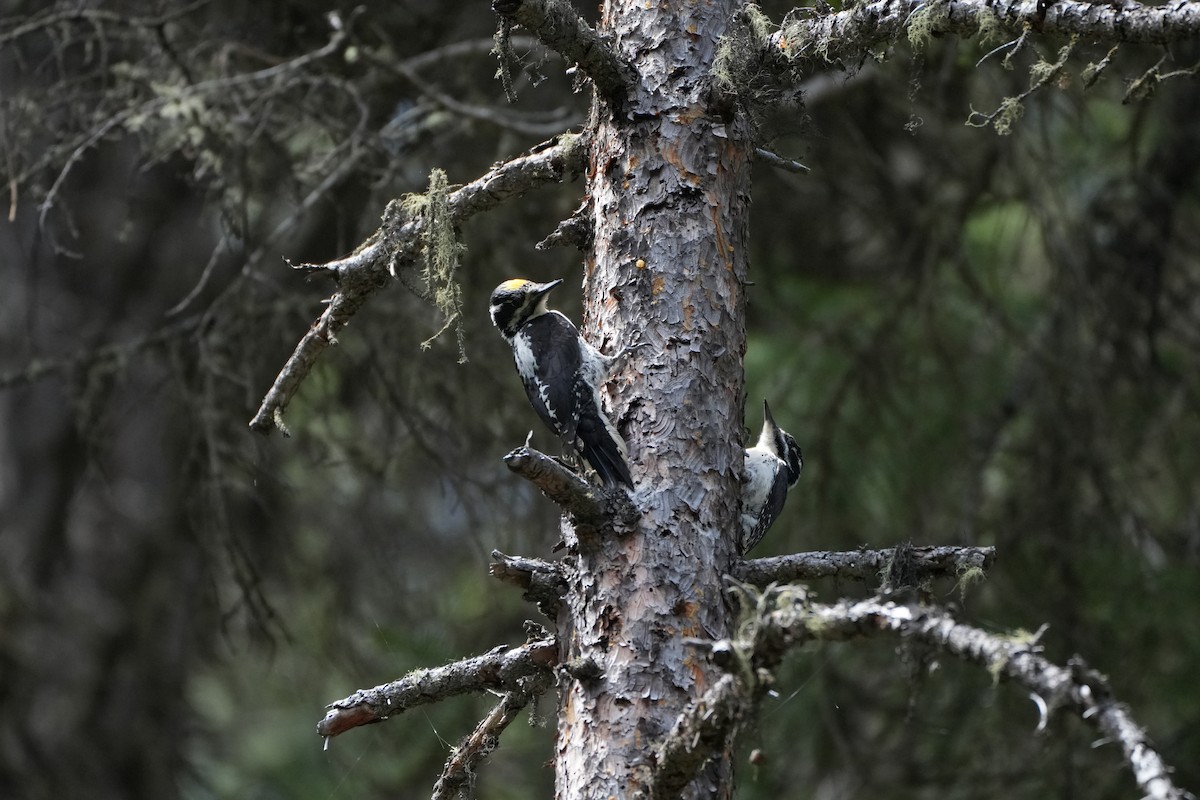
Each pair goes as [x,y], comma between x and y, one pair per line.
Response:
[544,288]
[767,418]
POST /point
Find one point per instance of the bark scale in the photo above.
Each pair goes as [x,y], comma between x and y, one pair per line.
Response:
[668,182]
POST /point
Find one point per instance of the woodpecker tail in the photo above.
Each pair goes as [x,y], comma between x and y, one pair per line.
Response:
[603,448]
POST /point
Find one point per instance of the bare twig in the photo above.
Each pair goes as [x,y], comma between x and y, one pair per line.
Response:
[1011,108]
[556,25]
[454,51]
[341,32]
[396,246]
[776,160]
[502,669]
[459,772]
[862,565]
[54,17]
[521,123]
[40,368]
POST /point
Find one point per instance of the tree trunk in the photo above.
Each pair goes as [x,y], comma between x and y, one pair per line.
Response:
[669,187]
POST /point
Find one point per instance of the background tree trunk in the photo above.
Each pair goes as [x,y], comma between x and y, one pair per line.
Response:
[669,183]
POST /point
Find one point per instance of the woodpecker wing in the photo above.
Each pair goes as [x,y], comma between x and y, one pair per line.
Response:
[771,508]
[602,447]
[550,356]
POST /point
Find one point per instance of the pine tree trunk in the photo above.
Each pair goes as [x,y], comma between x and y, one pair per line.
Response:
[669,185]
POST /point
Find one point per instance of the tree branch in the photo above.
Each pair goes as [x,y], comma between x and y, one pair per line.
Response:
[556,25]
[701,731]
[862,564]
[848,34]
[1084,691]
[593,508]
[544,584]
[542,581]
[396,245]
[502,669]
[785,618]
[521,123]
[459,772]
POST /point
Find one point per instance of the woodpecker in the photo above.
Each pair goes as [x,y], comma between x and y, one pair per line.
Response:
[562,374]
[772,469]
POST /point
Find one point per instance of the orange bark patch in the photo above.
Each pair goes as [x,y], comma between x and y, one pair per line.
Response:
[672,157]
[658,286]
[724,248]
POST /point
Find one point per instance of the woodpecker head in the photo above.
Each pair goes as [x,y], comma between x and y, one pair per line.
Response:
[516,302]
[782,444]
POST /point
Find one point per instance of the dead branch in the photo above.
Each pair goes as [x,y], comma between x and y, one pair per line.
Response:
[775,160]
[863,565]
[593,507]
[542,581]
[556,25]
[848,34]
[41,368]
[395,246]
[54,17]
[703,730]
[459,772]
[534,125]
[502,669]
[785,618]
[1015,658]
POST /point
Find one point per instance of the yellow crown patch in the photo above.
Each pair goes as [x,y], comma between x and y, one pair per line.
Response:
[514,284]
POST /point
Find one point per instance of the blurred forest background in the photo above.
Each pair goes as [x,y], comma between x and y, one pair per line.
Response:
[977,339]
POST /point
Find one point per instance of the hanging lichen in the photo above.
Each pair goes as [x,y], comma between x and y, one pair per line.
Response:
[927,21]
[441,251]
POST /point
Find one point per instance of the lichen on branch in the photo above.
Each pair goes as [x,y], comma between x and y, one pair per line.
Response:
[441,250]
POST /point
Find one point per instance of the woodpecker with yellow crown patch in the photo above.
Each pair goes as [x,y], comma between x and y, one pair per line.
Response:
[562,374]
[772,469]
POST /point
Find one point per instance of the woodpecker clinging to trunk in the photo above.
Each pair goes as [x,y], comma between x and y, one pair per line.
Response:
[772,469]
[562,374]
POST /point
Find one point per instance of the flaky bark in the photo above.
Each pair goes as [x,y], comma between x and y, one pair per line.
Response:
[669,183]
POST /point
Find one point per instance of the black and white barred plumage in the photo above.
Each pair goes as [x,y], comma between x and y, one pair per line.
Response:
[772,469]
[562,374]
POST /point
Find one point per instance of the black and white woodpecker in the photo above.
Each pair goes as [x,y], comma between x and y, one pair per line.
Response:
[562,374]
[772,469]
